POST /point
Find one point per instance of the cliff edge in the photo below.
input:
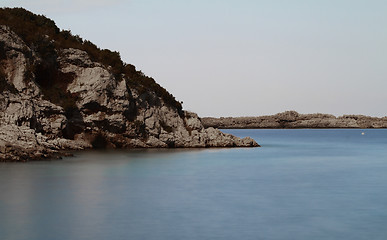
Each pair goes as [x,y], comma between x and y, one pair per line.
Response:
[59,92]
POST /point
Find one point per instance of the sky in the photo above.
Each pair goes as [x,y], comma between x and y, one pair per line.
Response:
[242,57]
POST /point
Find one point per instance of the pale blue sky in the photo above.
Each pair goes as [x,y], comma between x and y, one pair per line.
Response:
[244,58]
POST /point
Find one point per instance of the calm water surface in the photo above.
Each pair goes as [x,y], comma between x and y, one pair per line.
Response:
[302,184]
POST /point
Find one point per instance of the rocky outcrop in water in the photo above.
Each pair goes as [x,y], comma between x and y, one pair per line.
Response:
[292,119]
[88,105]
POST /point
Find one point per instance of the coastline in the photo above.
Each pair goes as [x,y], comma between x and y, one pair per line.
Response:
[294,120]
[66,153]
[62,93]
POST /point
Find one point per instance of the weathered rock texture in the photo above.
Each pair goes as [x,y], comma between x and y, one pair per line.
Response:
[292,119]
[107,112]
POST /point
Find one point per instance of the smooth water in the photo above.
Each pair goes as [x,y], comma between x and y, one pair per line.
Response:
[302,184]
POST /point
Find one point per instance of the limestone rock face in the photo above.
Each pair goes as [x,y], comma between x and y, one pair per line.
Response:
[108,112]
[15,62]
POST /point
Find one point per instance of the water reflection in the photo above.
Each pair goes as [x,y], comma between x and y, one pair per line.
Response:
[322,185]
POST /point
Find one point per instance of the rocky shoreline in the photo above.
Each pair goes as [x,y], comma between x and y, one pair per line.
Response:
[55,98]
[292,119]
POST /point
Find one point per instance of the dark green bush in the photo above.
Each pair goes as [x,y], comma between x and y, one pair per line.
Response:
[2,51]
[143,83]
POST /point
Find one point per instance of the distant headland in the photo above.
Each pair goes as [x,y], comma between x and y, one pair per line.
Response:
[293,119]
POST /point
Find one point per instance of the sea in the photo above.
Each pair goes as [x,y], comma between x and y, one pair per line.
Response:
[303,184]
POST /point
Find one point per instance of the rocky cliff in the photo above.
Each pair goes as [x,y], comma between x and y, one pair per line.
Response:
[55,98]
[292,119]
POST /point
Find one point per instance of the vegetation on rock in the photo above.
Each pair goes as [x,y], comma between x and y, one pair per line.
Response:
[43,36]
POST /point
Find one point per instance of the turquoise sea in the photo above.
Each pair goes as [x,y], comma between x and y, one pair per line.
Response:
[301,184]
